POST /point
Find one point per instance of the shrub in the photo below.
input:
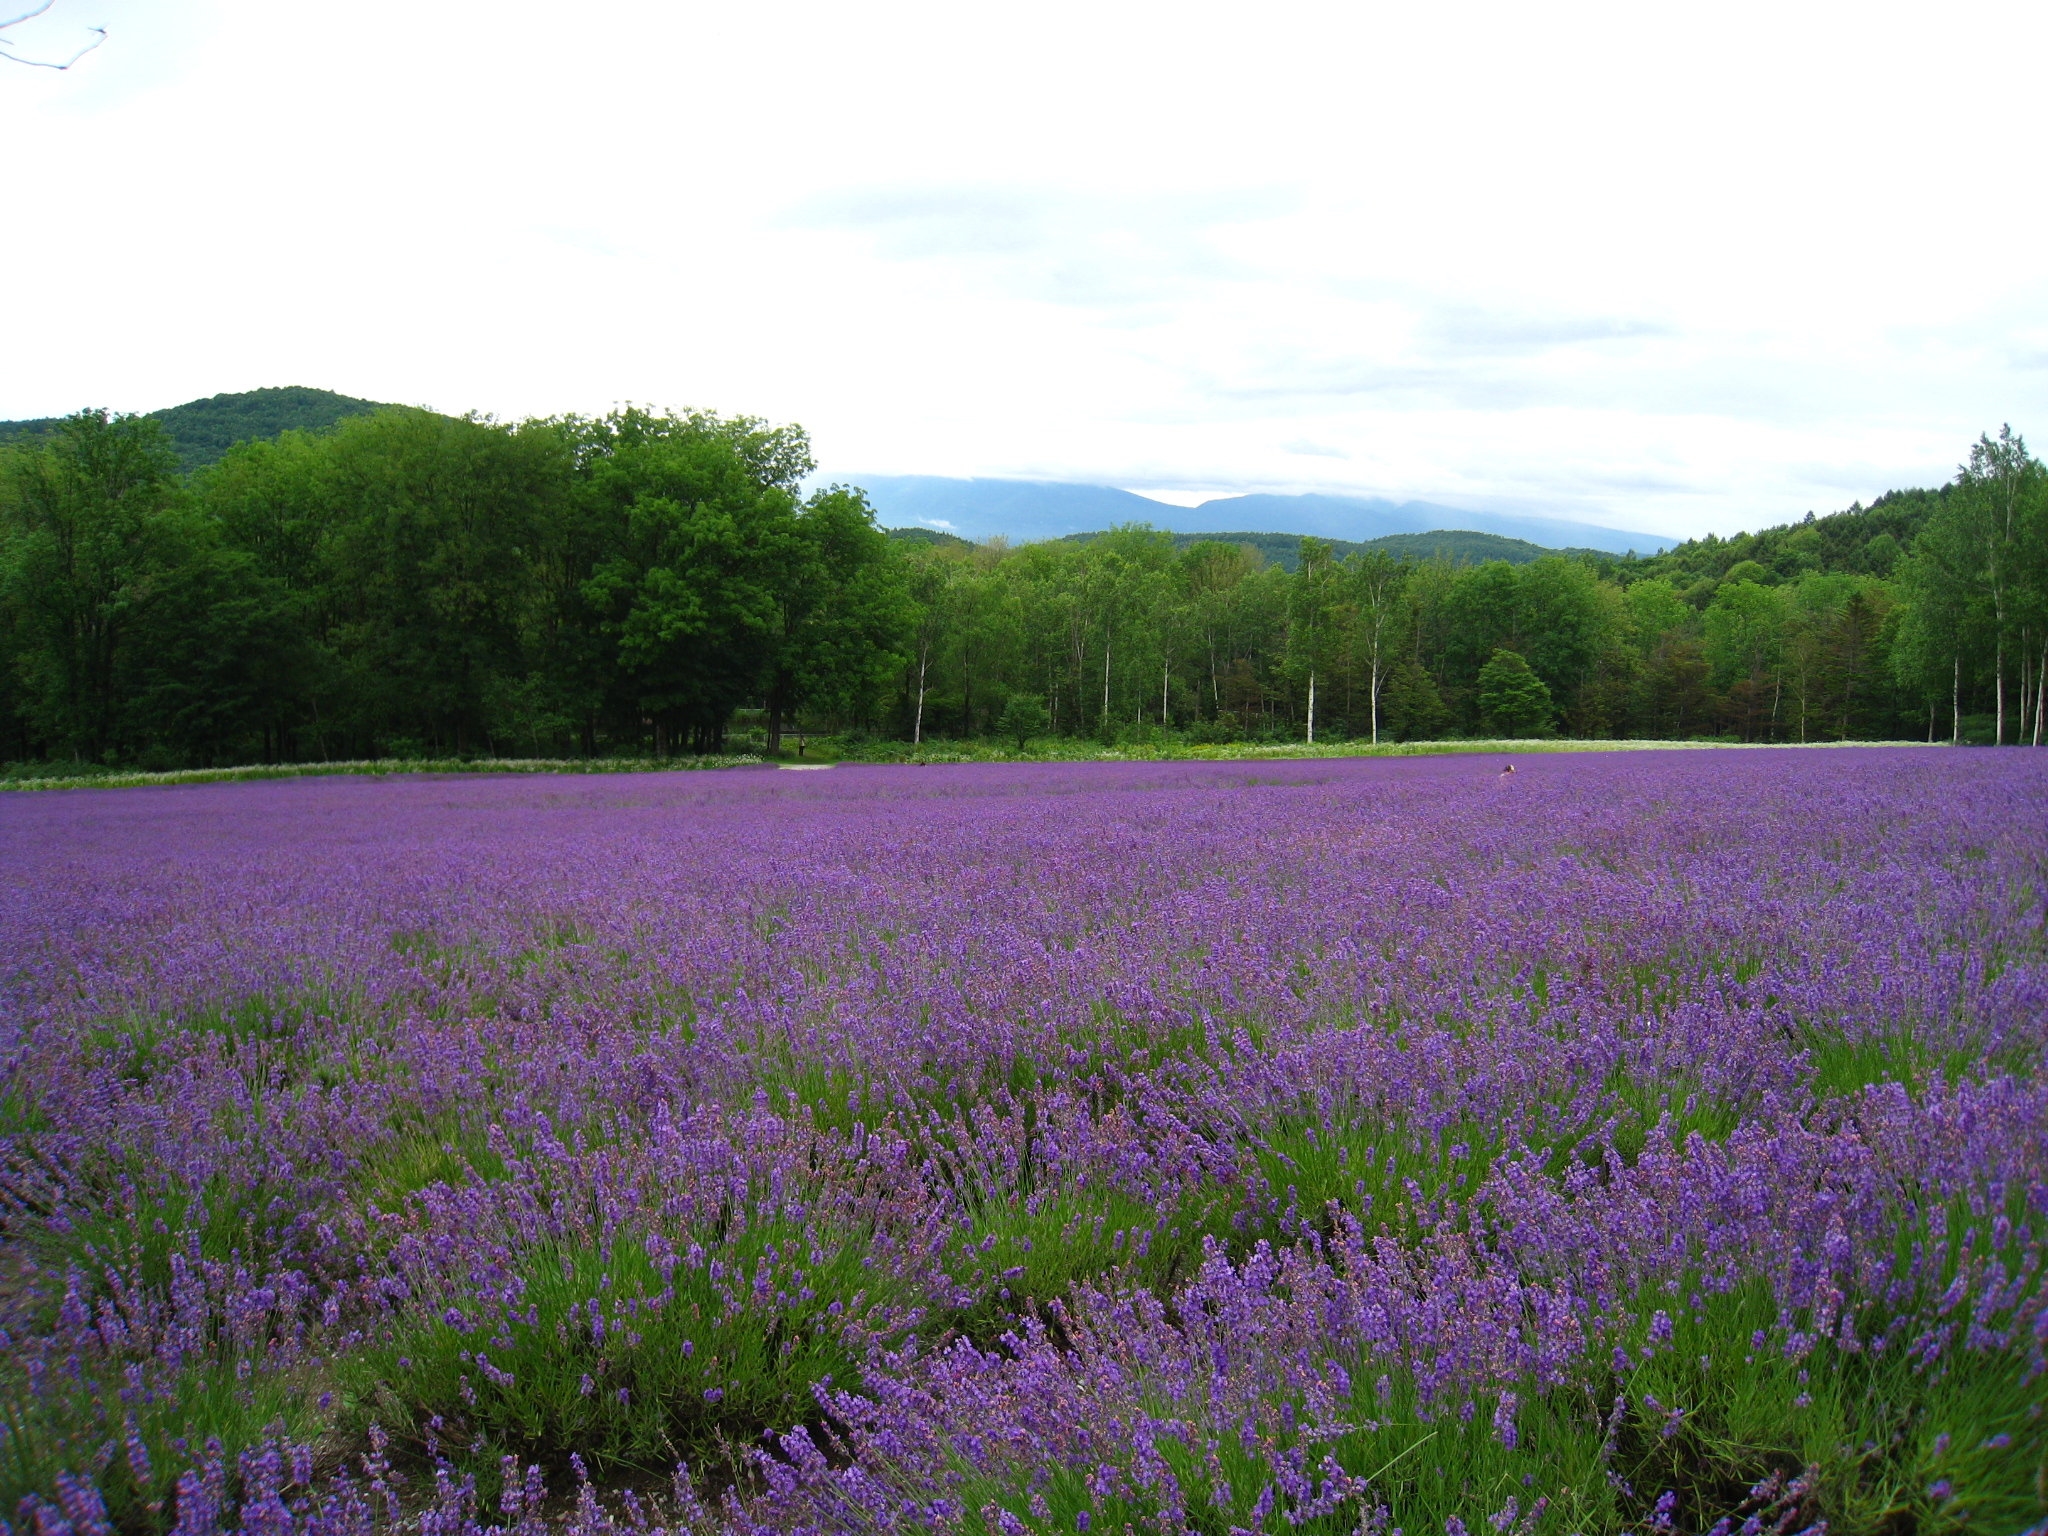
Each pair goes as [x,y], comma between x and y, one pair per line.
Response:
[1513,700]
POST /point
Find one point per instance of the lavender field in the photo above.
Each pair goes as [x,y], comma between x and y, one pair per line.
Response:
[1646,1142]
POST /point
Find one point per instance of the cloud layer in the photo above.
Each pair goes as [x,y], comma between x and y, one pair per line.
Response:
[1683,271]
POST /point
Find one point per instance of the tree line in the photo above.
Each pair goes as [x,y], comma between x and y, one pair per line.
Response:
[415,584]
[1923,616]
[407,583]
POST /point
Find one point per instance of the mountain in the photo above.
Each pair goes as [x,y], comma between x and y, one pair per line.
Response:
[204,430]
[1019,510]
[1360,518]
[1284,549]
[1025,510]
[1462,547]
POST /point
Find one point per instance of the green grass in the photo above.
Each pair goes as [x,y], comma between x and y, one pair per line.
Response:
[135,1236]
[31,776]
[1706,1423]
[88,777]
[1172,749]
[274,1041]
[1841,1064]
[633,1356]
[419,1155]
[55,1421]
[153,1248]
[1881,1429]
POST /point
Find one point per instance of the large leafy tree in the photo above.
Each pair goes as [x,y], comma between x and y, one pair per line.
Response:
[842,612]
[1745,628]
[1513,700]
[434,517]
[1553,612]
[272,505]
[90,521]
[1377,587]
[932,581]
[700,513]
[1229,610]
[1315,623]
[1988,533]
[216,660]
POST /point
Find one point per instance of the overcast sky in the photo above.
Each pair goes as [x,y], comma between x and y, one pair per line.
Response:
[1673,268]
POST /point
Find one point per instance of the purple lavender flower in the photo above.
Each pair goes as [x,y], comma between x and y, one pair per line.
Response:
[1184,1132]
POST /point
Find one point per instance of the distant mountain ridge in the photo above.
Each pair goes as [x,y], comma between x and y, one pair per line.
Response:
[1029,510]
[977,509]
[1284,549]
[1455,546]
[204,430]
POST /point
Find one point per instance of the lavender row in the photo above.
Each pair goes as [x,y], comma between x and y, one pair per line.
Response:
[1640,1142]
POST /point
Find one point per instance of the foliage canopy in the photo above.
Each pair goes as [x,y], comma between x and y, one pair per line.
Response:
[404,583]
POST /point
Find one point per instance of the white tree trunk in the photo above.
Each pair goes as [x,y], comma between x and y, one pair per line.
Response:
[2000,660]
[2040,689]
[1311,708]
[924,655]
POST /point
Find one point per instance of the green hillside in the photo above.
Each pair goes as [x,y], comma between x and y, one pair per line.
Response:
[204,430]
[1863,541]
[926,536]
[1859,541]
[1455,546]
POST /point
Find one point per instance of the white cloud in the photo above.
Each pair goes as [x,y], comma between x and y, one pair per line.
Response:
[1175,497]
[1665,269]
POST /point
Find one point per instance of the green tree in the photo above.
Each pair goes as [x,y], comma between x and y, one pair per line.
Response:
[1314,624]
[1998,503]
[88,524]
[1024,716]
[1745,630]
[1513,700]
[1221,586]
[1943,623]
[1122,583]
[931,582]
[1378,589]
[1975,586]
[1834,664]
[273,503]
[214,649]
[1570,626]
[841,615]
[1414,710]
[701,514]
[1552,612]
[435,515]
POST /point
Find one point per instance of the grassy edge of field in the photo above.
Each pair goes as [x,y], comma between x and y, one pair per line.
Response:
[931,754]
[1078,752]
[381,767]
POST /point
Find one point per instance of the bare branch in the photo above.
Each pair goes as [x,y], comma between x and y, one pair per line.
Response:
[99,36]
[27,15]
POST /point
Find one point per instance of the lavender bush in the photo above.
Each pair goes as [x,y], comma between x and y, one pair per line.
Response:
[1646,1142]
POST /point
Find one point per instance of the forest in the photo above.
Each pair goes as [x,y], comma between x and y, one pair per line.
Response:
[403,583]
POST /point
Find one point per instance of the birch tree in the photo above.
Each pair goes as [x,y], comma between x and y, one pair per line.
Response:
[1378,589]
